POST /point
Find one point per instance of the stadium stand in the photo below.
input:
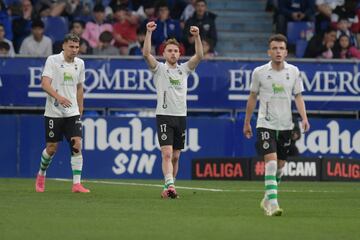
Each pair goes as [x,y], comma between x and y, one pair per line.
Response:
[243,27]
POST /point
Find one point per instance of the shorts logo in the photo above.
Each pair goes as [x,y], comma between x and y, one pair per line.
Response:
[266,145]
[51,134]
[163,137]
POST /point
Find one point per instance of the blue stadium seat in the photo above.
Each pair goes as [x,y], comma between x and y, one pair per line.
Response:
[300,48]
[299,30]
[56,27]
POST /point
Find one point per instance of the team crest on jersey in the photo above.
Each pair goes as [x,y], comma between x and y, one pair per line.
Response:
[266,145]
[51,134]
[163,137]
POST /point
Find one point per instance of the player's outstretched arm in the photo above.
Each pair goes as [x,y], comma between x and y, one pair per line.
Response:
[46,86]
[250,106]
[150,60]
[300,105]
[199,53]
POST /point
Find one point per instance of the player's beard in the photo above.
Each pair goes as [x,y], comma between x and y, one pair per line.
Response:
[172,60]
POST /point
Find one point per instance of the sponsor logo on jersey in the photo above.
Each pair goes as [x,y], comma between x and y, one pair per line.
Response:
[67,77]
[278,88]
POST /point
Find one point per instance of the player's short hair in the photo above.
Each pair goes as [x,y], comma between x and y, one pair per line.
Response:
[71,37]
[172,41]
[278,38]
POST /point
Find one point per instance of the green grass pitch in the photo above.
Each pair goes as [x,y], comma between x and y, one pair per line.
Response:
[120,210]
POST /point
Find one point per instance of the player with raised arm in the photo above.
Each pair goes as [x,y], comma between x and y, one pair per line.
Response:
[170,80]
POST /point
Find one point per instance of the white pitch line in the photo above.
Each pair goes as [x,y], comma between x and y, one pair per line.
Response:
[196,188]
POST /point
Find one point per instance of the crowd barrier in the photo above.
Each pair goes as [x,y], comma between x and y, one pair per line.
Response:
[216,84]
[126,147]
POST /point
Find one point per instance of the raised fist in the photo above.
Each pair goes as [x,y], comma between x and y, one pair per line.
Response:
[151,26]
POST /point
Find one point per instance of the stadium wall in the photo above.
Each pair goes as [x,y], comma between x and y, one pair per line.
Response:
[216,84]
[215,149]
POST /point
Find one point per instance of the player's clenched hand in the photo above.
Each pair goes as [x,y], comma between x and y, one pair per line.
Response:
[247,130]
[64,102]
[194,30]
[151,26]
[305,125]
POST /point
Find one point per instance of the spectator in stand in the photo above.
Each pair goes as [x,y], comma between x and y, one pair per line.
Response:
[324,11]
[205,21]
[321,44]
[187,13]
[4,49]
[293,11]
[53,8]
[21,25]
[208,48]
[5,20]
[346,11]
[344,50]
[166,27]
[95,28]
[124,29]
[149,14]
[176,8]
[343,27]
[84,11]
[114,5]
[105,48]
[11,51]
[78,28]
[37,44]
[135,49]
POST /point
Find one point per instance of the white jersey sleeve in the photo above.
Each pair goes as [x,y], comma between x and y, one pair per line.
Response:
[255,81]
[298,86]
[82,72]
[48,68]
[186,68]
[154,71]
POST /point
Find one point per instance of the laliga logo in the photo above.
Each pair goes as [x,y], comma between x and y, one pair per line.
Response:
[330,141]
[131,141]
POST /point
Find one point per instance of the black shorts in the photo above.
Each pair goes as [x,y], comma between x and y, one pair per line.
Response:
[171,130]
[273,141]
[57,128]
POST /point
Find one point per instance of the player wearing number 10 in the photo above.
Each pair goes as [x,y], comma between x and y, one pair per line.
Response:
[62,79]
[274,83]
[170,80]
